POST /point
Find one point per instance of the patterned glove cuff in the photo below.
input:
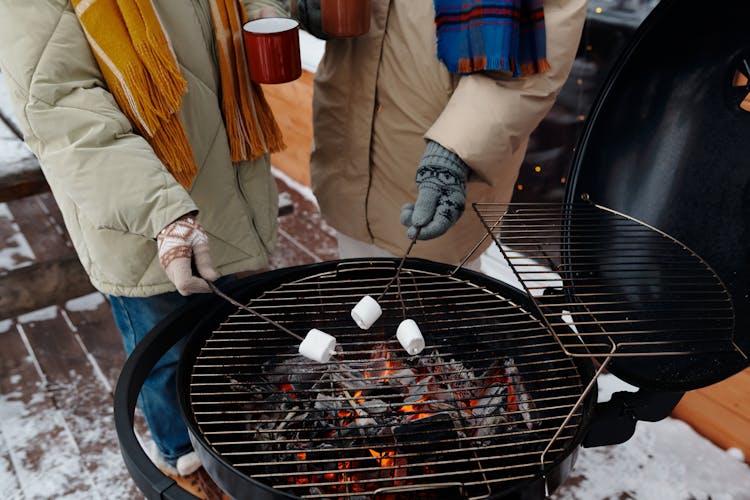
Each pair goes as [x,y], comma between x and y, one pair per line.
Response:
[436,155]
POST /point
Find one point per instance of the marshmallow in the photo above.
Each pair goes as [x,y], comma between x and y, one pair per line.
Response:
[318,346]
[366,312]
[410,337]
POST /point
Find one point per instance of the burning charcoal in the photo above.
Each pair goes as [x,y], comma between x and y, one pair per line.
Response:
[524,402]
[257,391]
[488,426]
[349,378]
[425,434]
[494,399]
[366,312]
[403,378]
[296,370]
[410,337]
[327,403]
[374,406]
[438,406]
[365,422]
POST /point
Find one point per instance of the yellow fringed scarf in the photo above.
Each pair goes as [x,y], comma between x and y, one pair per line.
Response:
[141,71]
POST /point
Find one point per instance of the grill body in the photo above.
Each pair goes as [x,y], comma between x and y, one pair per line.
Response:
[237,372]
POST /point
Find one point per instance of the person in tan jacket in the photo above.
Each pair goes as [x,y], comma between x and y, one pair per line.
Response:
[127,106]
[393,124]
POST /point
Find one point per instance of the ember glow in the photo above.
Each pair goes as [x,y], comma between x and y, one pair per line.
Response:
[347,429]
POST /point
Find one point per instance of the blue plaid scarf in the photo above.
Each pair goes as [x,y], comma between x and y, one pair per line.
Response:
[481,35]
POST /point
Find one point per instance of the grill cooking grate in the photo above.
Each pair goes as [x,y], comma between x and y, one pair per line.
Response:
[492,399]
[626,288]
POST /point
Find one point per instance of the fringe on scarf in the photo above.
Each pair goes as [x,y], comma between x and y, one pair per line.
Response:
[142,73]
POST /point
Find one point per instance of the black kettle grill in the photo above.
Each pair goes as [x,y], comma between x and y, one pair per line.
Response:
[640,271]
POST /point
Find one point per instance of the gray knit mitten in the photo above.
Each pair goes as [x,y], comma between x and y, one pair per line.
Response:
[441,186]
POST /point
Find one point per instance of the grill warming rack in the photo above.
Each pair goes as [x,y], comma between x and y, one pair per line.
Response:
[624,288]
[275,438]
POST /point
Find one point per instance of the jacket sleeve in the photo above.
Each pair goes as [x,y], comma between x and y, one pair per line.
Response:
[85,144]
[253,7]
[488,119]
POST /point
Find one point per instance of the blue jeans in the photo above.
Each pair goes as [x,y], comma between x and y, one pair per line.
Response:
[135,317]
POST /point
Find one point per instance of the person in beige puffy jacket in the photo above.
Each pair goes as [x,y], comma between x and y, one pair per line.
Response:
[133,224]
[385,106]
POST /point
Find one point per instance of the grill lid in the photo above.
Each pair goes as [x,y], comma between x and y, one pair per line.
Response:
[666,143]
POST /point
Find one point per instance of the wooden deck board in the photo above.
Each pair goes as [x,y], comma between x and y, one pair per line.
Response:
[42,228]
[84,401]
[292,105]
[721,412]
[31,425]
[96,328]
[14,247]
[303,229]
[11,487]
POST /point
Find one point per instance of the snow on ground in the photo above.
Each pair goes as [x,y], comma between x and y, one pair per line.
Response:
[38,315]
[664,460]
[11,149]
[86,303]
[52,467]
[15,251]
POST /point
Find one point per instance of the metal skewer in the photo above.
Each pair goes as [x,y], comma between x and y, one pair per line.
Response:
[229,299]
[400,267]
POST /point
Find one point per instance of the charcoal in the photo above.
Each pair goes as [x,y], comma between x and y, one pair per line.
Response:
[422,406]
[402,378]
[424,434]
[374,406]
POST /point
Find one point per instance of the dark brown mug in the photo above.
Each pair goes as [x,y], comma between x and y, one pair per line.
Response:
[345,18]
[272,49]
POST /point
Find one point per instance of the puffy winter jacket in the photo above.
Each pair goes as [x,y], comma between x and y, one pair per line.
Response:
[114,193]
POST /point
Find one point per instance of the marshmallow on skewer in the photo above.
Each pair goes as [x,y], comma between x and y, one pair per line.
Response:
[366,312]
[410,337]
[318,346]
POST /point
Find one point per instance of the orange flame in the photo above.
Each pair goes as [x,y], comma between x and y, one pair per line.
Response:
[288,388]
[384,459]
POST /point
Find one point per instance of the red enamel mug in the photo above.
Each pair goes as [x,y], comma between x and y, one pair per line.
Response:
[272,49]
[345,18]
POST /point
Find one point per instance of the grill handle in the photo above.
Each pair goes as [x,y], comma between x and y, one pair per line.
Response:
[613,422]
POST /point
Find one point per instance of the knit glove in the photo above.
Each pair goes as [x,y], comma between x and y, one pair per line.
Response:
[441,186]
[178,244]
